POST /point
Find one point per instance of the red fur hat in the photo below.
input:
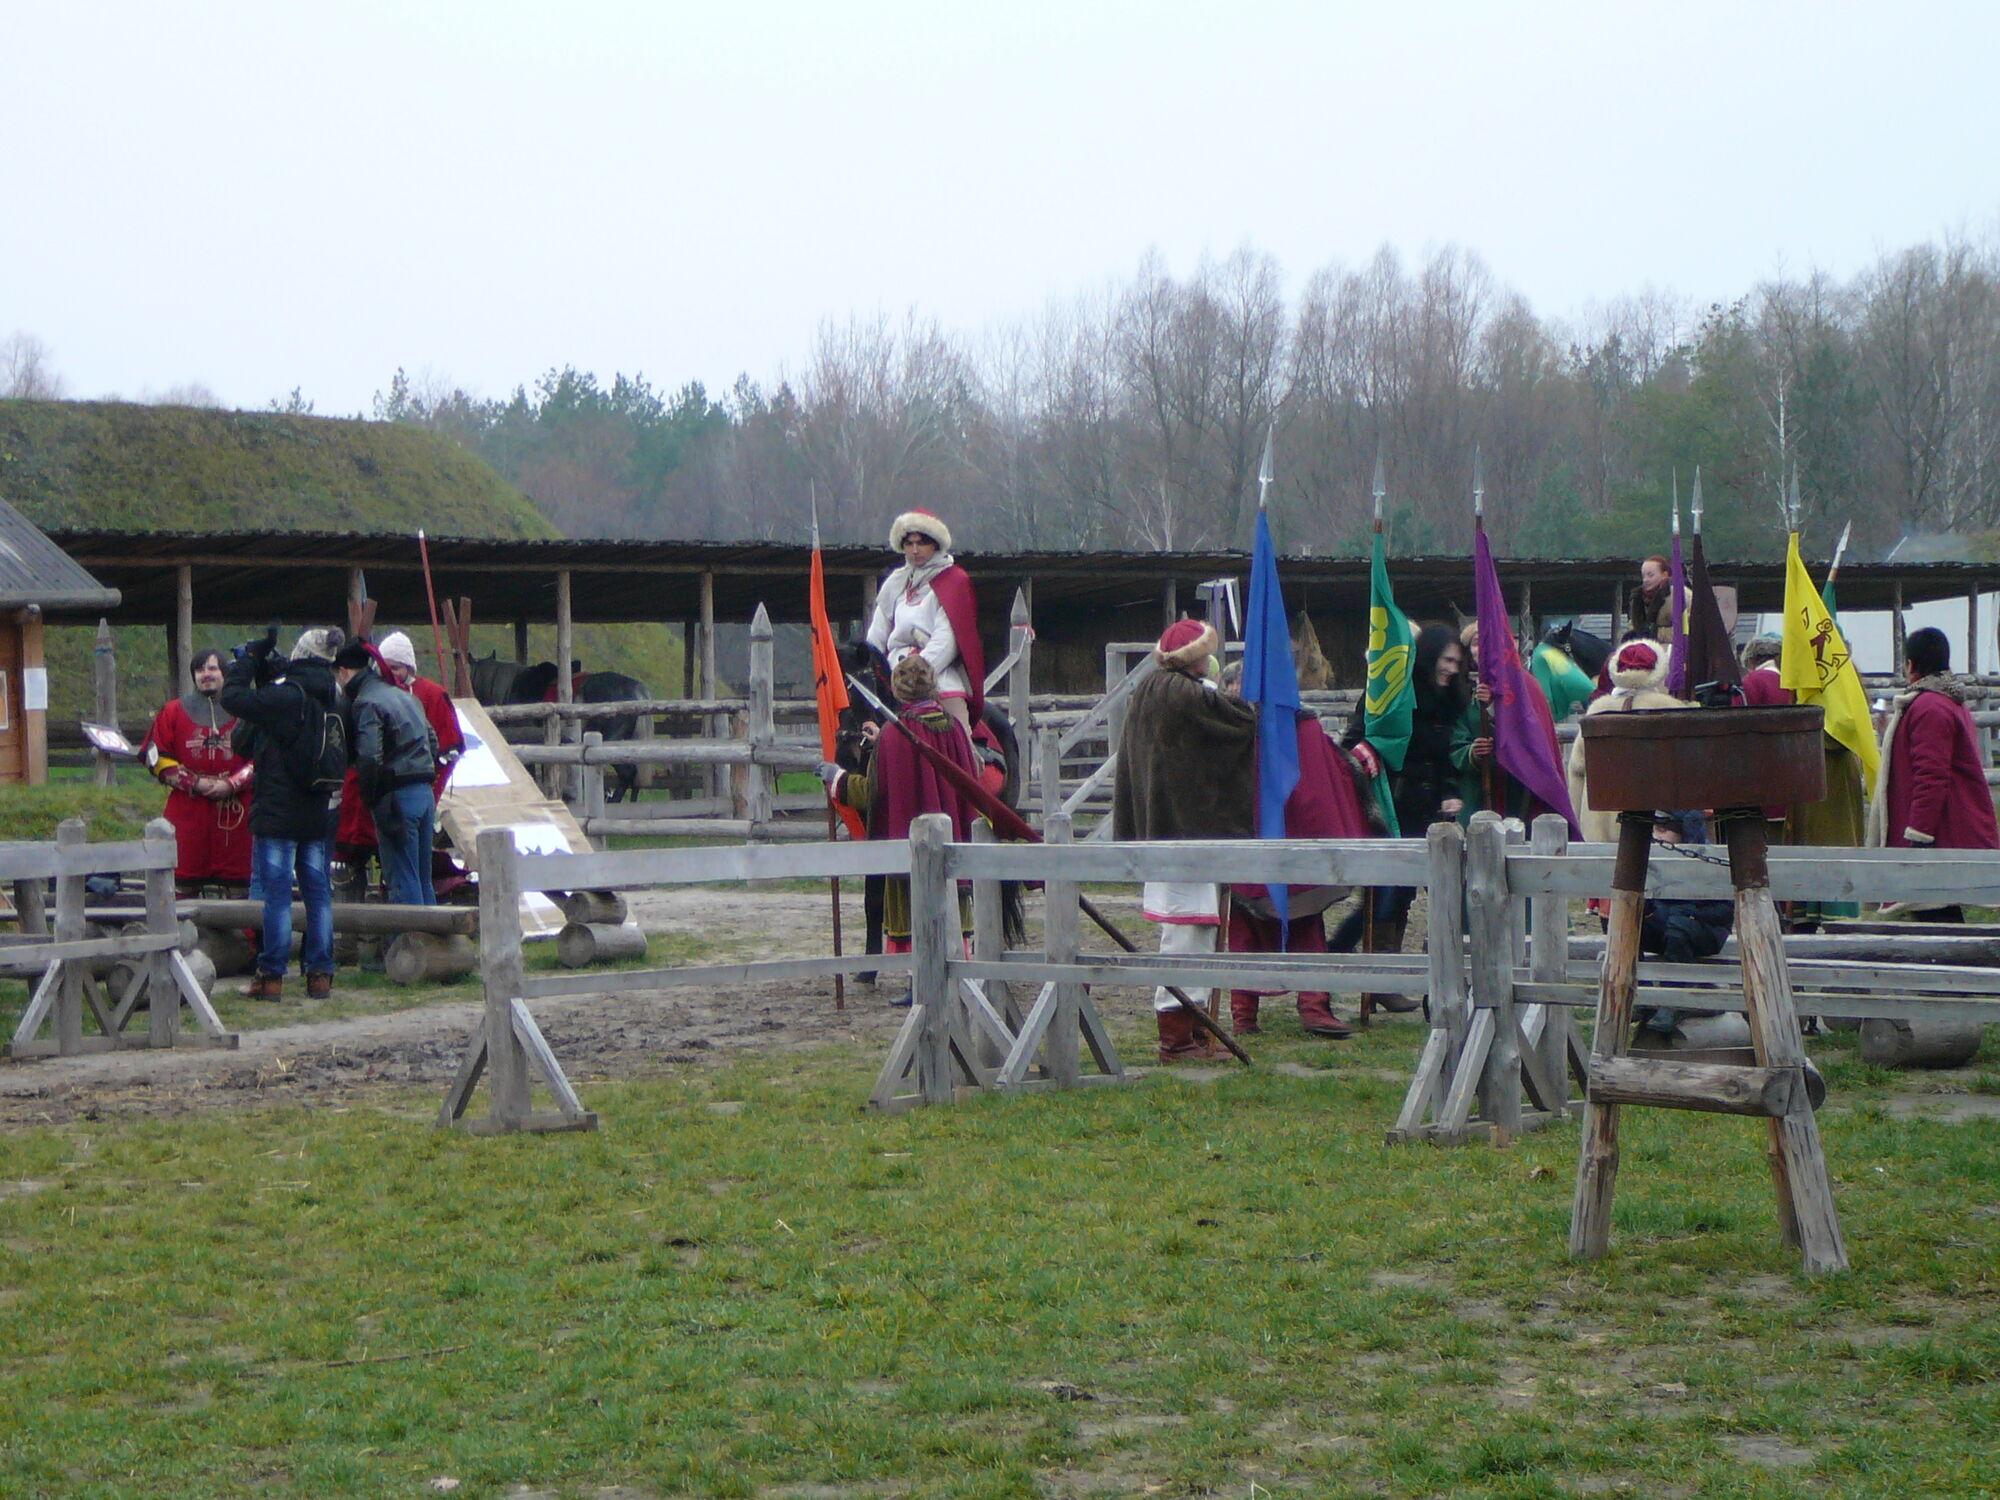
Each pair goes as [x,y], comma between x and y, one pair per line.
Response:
[1189,644]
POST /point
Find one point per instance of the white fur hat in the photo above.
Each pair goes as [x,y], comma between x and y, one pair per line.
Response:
[396,648]
[1640,664]
[919,520]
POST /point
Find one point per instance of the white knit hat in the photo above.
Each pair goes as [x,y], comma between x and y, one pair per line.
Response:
[320,643]
[396,648]
[919,520]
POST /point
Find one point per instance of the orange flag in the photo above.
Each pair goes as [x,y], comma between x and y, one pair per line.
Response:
[829,680]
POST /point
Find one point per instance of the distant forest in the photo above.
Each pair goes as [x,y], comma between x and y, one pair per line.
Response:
[1135,418]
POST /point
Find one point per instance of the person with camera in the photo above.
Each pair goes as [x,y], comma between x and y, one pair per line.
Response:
[395,758]
[289,725]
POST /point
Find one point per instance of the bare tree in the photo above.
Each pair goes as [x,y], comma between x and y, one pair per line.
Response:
[26,373]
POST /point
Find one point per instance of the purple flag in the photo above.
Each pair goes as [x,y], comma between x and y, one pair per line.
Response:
[1677,670]
[1524,733]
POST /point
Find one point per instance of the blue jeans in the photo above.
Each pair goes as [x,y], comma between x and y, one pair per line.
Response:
[404,842]
[273,863]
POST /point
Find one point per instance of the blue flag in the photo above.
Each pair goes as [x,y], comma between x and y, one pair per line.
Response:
[1272,683]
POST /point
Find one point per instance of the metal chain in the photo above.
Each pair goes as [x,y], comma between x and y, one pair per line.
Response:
[1693,851]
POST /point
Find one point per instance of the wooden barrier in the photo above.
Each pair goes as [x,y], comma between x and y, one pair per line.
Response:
[158,972]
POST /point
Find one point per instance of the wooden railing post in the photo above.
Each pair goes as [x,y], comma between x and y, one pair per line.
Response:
[1445,944]
[69,929]
[500,975]
[763,721]
[1548,954]
[163,1014]
[1020,643]
[1060,913]
[988,942]
[104,683]
[1048,765]
[933,931]
[593,780]
[571,730]
[1489,917]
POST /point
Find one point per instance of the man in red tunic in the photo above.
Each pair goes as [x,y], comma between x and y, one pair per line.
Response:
[208,784]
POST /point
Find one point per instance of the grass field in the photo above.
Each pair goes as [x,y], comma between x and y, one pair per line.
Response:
[743,1285]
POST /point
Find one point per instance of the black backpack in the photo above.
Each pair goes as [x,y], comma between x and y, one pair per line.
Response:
[319,754]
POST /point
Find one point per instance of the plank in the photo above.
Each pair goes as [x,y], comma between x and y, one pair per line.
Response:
[1269,861]
[1936,877]
[197,1001]
[1199,970]
[544,1058]
[40,861]
[554,986]
[643,867]
[1424,1086]
[1034,1026]
[896,1066]
[1456,1116]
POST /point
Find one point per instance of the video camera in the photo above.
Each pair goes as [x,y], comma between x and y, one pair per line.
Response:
[260,651]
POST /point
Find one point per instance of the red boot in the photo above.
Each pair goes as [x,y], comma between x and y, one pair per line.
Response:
[1243,1013]
[1317,1018]
[1179,1040]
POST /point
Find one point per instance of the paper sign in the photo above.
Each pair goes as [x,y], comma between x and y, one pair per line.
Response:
[539,838]
[477,765]
[35,689]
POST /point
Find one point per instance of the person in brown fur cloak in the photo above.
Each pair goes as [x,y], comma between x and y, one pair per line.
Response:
[1187,769]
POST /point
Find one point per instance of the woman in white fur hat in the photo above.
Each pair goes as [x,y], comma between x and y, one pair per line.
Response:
[926,607]
[1638,681]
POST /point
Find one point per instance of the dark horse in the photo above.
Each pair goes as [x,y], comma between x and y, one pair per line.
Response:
[994,745]
[496,682]
[1588,651]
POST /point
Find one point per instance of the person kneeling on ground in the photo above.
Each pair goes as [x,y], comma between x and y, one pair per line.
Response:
[900,785]
[1187,766]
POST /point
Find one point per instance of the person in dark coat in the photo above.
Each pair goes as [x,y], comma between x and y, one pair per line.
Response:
[280,707]
[1681,932]
[1650,613]
[395,759]
[1187,769]
[1932,792]
[1426,789]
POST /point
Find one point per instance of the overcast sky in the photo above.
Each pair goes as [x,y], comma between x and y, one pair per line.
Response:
[257,197]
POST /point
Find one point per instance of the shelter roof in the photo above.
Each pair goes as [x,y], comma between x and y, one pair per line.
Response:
[35,570]
[253,576]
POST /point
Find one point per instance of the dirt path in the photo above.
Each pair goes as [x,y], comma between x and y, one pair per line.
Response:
[618,1033]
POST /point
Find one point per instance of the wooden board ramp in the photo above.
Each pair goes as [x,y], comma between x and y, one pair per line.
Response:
[490,788]
[154,969]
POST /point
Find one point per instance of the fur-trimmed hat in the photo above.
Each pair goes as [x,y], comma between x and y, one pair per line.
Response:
[319,643]
[1640,664]
[913,680]
[1189,644]
[919,521]
[396,647]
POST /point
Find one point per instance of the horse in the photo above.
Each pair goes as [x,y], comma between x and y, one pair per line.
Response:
[1588,651]
[497,682]
[994,745]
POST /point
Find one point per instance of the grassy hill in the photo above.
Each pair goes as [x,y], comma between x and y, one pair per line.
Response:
[179,468]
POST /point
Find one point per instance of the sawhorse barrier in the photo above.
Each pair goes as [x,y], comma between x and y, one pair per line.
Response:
[68,986]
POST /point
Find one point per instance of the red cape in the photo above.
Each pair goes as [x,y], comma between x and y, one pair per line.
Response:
[954,592]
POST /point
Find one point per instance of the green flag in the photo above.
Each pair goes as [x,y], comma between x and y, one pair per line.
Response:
[1390,696]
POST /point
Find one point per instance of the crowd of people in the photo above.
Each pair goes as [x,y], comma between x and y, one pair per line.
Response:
[276,761]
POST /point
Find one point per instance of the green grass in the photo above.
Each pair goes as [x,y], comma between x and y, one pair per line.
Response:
[113,813]
[743,1283]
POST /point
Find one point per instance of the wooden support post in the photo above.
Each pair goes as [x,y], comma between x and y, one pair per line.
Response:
[933,932]
[714,778]
[1798,1162]
[1972,634]
[687,658]
[500,971]
[1896,626]
[1020,681]
[1170,602]
[31,906]
[1548,958]
[521,643]
[1444,941]
[763,716]
[70,928]
[163,1013]
[1597,1162]
[565,689]
[592,773]
[1060,913]
[1490,917]
[987,943]
[1048,765]
[181,655]
[104,697]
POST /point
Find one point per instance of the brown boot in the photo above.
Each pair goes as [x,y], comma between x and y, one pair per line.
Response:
[1243,1013]
[1179,1040]
[1389,939]
[318,986]
[1317,1018]
[266,987]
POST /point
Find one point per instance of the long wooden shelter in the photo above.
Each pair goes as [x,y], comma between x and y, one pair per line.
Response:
[1079,599]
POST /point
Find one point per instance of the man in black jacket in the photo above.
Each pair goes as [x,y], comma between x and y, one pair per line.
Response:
[280,707]
[395,758]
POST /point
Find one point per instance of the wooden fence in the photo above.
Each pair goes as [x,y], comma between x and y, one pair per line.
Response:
[68,983]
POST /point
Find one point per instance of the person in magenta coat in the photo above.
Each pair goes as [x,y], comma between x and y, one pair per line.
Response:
[1932,793]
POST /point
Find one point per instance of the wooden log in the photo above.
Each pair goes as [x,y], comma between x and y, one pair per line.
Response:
[429,958]
[227,950]
[598,907]
[581,943]
[1711,1087]
[1920,1044]
[376,919]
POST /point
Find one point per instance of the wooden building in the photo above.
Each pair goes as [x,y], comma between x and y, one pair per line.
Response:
[38,583]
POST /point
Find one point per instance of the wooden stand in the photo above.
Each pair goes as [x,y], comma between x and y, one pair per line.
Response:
[1775,1088]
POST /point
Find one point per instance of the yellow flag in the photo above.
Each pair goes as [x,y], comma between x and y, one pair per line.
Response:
[1819,668]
